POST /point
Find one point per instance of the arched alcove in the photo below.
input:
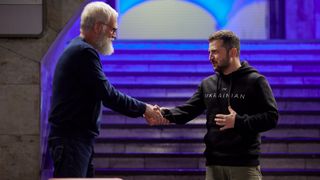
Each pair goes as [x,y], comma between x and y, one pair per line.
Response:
[192,19]
[166,19]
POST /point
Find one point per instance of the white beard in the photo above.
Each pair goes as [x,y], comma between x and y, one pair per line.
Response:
[104,45]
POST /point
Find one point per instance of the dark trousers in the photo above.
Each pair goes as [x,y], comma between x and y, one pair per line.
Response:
[72,157]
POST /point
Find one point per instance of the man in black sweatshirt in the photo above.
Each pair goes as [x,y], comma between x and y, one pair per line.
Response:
[239,104]
[79,89]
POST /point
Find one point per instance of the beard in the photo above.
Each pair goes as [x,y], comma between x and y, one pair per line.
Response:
[223,65]
[104,45]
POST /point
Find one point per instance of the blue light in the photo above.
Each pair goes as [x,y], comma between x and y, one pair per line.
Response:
[124,6]
[221,10]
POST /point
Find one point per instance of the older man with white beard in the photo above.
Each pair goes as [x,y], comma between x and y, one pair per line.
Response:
[79,88]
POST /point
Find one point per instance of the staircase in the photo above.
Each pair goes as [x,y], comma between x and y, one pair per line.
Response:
[168,72]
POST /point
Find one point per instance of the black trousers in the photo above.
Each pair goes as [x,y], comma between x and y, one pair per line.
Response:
[72,157]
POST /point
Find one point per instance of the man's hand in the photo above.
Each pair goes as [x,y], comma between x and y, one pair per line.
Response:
[153,116]
[226,120]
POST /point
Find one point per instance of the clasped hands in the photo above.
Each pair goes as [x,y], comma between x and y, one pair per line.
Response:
[153,116]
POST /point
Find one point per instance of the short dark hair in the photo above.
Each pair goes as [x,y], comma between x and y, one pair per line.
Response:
[229,38]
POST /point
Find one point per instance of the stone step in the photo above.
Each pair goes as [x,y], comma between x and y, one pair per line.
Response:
[289,63]
[172,73]
[310,105]
[271,56]
[187,92]
[199,174]
[183,145]
[197,131]
[285,105]
[197,160]
[202,45]
[183,97]
[191,174]
[286,117]
[176,89]
[204,69]
[281,112]
[195,80]
[194,85]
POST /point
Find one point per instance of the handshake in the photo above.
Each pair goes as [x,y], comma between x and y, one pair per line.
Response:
[153,116]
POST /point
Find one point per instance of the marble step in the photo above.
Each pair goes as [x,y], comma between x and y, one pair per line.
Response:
[186,92]
[202,45]
[197,131]
[183,145]
[189,84]
[203,67]
[174,73]
[286,117]
[195,80]
[180,98]
[298,105]
[288,63]
[178,89]
[251,56]
[197,160]
[199,174]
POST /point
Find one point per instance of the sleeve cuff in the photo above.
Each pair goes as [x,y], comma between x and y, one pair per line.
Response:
[166,113]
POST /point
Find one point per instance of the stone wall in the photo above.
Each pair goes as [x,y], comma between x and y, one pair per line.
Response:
[20,61]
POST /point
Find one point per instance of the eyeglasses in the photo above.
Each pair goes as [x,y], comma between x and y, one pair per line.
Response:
[113,29]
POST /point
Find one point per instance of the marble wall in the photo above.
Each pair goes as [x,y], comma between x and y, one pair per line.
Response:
[20,61]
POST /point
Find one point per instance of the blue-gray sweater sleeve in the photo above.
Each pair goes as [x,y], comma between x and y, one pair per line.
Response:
[109,95]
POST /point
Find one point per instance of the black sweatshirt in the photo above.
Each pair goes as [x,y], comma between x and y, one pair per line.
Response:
[250,96]
[79,88]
